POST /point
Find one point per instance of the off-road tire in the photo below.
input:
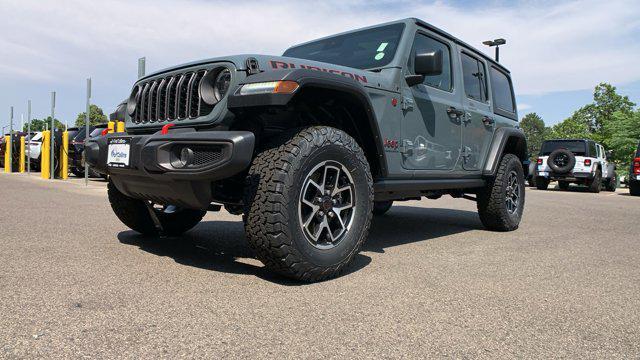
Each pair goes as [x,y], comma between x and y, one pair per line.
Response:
[491,200]
[634,188]
[563,185]
[272,192]
[381,207]
[542,183]
[135,214]
[595,184]
[612,183]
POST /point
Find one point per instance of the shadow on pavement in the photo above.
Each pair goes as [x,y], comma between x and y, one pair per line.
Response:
[218,245]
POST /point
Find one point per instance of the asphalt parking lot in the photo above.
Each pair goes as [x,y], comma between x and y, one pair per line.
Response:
[430,282]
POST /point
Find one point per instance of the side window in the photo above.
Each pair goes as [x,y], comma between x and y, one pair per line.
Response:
[475,79]
[593,152]
[502,93]
[426,44]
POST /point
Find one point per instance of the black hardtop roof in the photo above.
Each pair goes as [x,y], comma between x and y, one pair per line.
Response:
[585,140]
[443,33]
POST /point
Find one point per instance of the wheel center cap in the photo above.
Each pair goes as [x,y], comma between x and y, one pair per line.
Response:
[327,203]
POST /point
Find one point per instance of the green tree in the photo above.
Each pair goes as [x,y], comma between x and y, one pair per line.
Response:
[96,116]
[41,124]
[535,131]
[624,128]
[578,126]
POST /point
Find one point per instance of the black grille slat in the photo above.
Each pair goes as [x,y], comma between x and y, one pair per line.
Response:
[143,104]
[162,97]
[153,98]
[194,94]
[173,97]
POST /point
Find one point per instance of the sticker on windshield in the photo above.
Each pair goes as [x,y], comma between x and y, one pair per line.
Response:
[380,51]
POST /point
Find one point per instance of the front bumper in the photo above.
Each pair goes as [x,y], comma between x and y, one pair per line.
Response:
[152,176]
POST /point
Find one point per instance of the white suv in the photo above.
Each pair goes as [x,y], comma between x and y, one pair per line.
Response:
[575,161]
[32,150]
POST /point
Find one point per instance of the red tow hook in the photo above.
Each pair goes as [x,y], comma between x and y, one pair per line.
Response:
[105,132]
[165,129]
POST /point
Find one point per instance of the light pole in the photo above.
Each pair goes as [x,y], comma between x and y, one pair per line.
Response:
[496,43]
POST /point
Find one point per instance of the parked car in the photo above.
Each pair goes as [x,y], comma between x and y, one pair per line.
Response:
[33,149]
[76,148]
[634,174]
[575,161]
[15,154]
[307,145]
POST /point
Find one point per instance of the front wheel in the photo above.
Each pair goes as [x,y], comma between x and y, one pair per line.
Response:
[501,201]
[308,203]
[136,215]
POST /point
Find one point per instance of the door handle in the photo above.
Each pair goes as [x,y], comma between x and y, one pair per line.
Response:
[453,112]
[488,121]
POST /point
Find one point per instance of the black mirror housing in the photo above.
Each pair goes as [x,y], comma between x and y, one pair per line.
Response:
[429,64]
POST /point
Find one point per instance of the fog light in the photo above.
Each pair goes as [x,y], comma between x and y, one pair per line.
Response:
[186,157]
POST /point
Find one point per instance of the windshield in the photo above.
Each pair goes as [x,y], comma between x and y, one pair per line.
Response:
[81,134]
[577,147]
[365,49]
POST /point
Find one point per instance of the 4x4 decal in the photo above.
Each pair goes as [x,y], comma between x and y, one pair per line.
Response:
[283,65]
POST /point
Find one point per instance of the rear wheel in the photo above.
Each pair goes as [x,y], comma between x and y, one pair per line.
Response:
[542,183]
[136,215]
[381,207]
[596,183]
[634,188]
[308,203]
[501,202]
[612,183]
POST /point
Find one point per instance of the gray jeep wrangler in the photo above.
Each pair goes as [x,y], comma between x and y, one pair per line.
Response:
[309,145]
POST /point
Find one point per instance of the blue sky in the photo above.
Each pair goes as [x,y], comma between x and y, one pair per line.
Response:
[557,50]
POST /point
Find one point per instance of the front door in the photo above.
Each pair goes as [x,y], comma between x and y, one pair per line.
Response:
[431,133]
[479,121]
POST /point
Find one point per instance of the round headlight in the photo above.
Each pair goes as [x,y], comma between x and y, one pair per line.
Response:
[223,81]
[133,100]
[215,85]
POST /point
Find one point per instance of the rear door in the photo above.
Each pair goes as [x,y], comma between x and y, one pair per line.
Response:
[479,121]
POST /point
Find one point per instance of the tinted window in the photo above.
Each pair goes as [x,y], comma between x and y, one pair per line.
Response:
[366,49]
[577,147]
[592,149]
[425,44]
[502,92]
[475,79]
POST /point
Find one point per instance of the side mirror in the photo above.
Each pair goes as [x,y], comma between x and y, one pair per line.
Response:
[425,64]
[609,154]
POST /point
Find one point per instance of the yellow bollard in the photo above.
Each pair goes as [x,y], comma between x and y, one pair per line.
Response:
[22,155]
[7,159]
[120,126]
[111,126]
[44,155]
[64,157]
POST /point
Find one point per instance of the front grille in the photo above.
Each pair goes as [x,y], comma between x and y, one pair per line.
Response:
[175,97]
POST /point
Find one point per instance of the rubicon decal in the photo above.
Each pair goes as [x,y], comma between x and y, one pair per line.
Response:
[280,65]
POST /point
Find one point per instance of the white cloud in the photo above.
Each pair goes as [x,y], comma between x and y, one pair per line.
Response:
[523,107]
[550,46]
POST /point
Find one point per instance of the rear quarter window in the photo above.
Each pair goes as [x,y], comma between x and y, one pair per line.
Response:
[502,91]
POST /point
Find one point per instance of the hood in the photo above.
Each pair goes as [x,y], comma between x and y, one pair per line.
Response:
[371,79]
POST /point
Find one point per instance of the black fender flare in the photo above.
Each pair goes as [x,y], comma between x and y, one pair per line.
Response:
[307,78]
[505,139]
